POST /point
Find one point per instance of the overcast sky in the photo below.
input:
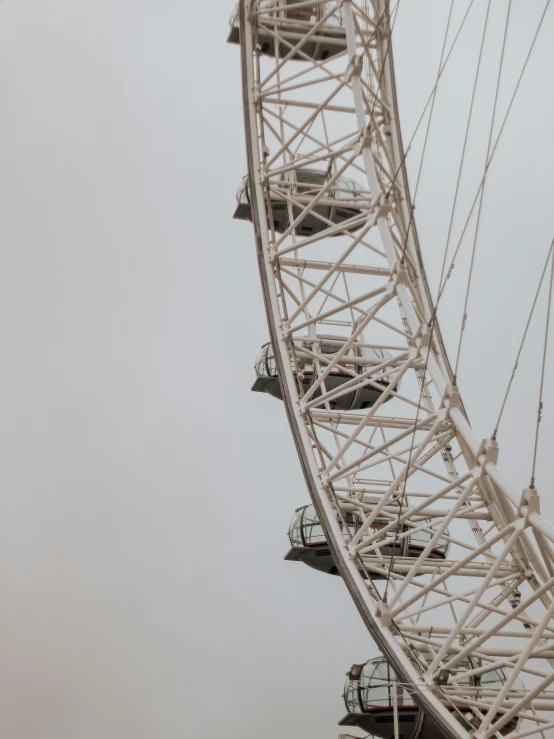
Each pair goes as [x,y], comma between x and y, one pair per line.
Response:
[146,493]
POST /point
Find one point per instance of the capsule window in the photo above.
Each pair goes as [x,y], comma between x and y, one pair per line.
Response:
[266,365]
[309,181]
[312,530]
[377,684]
[300,14]
[295,530]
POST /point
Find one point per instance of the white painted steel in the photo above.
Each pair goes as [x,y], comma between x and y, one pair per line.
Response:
[414,450]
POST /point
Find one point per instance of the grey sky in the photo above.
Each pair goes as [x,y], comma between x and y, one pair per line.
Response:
[146,492]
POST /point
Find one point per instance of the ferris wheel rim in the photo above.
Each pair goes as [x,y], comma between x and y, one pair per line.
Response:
[479,451]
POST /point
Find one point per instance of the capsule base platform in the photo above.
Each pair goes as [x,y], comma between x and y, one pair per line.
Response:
[317,557]
[260,384]
[412,722]
[325,45]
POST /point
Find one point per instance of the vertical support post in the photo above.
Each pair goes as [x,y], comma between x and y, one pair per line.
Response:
[395,709]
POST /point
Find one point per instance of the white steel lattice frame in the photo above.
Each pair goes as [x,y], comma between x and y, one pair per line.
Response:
[492,603]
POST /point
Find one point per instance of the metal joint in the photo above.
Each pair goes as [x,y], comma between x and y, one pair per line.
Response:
[530,502]
[488,450]
[384,613]
[355,66]
[452,398]
[400,273]
[423,337]
[381,207]
[365,139]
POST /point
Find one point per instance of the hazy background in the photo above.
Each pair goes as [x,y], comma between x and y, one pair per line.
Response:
[146,493]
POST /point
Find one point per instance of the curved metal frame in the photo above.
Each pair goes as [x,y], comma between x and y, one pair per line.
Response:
[511,565]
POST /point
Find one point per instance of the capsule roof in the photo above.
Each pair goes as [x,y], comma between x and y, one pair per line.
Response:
[292,24]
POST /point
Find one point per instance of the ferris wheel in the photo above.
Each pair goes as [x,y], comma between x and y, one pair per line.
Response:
[450,567]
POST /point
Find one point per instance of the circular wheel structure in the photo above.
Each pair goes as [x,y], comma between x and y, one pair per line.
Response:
[349,311]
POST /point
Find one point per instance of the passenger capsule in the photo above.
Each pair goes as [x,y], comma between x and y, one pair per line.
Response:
[369,699]
[308,542]
[309,545]
[292,24]
[344,200]
[358,359]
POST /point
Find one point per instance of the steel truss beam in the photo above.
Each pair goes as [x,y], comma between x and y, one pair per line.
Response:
[362,279]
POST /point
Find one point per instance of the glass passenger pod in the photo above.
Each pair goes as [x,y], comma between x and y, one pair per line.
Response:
[369,698]
[344,200]
[292,24]
[362,359]
[308,542]
[309,545]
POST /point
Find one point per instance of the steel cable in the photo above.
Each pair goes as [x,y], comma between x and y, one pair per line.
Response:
[488,163]
[543,367]
[480,209]
[522,343]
